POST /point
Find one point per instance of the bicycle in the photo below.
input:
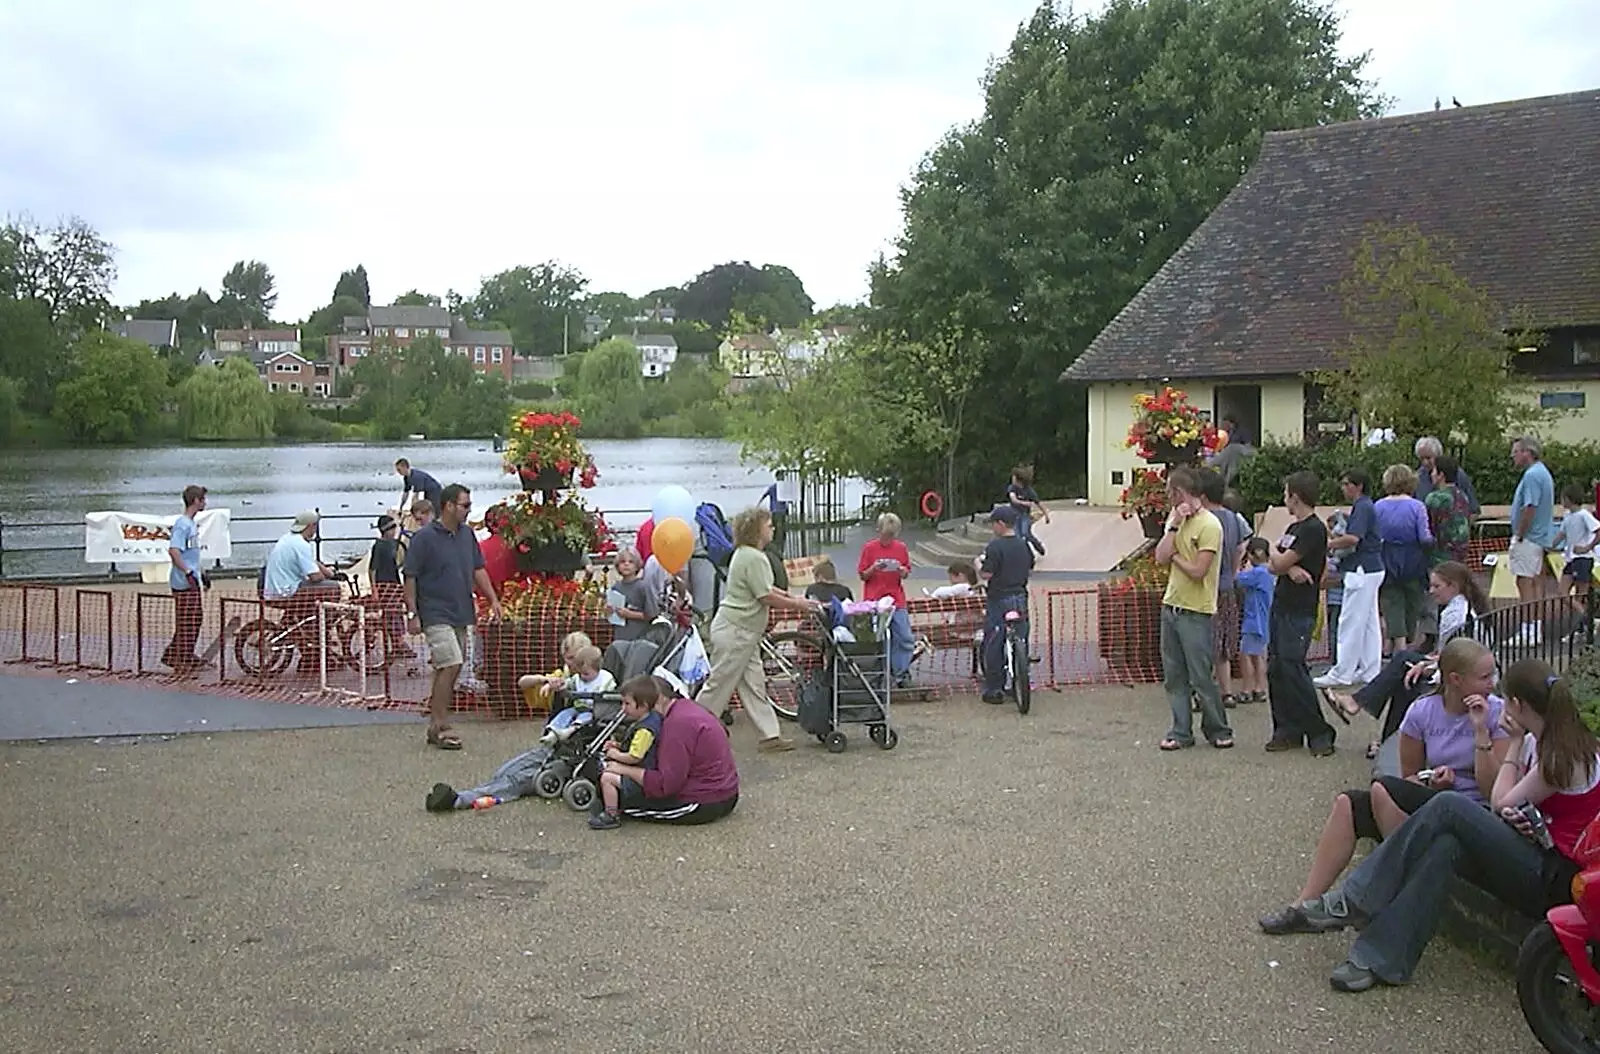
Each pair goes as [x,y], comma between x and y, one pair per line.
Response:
[1018,663]
[267,645]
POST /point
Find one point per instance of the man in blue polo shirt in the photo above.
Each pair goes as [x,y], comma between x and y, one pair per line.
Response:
[1533,530]
[443,565]
[188,598]
[419,483]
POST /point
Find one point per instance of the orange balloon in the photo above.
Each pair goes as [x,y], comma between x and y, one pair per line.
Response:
[673,544]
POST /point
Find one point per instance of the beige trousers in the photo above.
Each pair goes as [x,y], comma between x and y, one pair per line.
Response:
[736,665]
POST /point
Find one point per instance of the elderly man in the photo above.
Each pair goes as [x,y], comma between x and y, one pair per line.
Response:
[296,580]
[1533,529]
[1428,451]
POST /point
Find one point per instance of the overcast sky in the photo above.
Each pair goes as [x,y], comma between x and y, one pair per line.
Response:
[640,142]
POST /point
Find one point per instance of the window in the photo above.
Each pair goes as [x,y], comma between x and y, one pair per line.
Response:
[285,367]
[382,331]
[441,333]
[477,354]
[1586,351]
[355,351]
[272,387]
[227,345]
[294,387]
[402,331]
[1562,400]
[496,355]
[322,389]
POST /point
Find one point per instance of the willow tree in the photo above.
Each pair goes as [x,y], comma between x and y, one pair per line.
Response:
[226,402]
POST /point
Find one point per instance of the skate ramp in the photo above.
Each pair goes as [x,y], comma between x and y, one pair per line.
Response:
[1085,538]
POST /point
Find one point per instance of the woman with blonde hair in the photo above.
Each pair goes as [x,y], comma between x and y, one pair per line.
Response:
[885,562]
[1406,537]
[741,622]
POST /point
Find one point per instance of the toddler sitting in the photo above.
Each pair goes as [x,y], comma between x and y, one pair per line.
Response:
[586,681]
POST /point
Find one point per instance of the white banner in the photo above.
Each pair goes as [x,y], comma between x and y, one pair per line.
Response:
[132,538]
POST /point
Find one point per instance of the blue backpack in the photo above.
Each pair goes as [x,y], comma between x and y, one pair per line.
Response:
[714,533]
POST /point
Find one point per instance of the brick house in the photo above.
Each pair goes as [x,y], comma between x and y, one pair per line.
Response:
[288,371]
[489,351]
[1250,308]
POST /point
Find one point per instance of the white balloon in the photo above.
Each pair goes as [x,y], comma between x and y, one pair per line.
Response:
[673,501]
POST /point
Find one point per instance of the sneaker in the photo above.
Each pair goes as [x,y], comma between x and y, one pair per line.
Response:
[994,698]
[775,745]
[1279,746]
[1348,977]
[1328,680]
[604,821]
[1329,913]
[442,798]
[1324,751]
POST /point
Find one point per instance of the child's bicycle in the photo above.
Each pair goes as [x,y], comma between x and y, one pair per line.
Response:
[1018,664]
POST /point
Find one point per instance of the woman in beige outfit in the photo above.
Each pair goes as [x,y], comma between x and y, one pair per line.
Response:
[741,623]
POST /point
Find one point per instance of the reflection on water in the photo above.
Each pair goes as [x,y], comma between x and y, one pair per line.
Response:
[354,480]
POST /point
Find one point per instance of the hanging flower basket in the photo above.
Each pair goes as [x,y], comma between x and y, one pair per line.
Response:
[1164,453]
[1154,524]
[546,479]
[1169,430]
[540,442]
[1146,498]
[557,557]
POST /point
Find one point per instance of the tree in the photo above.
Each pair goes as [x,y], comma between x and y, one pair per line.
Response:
[1104,142]
[1415,322]
[68,268]
[225,402]
[353,284]
[538,304]
[115,390]
[770,295]
[248,287]
[611,389]
[615,308]
[32,352]
[10,408]
[413,298]
[423,388]
[329,320]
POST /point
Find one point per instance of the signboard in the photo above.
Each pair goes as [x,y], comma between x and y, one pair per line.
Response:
[132,538]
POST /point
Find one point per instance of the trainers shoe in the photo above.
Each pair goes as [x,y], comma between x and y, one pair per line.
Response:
[1348,977]
[604,821]
[1279,746]
[994,698]
[1328,913]
[775,745]
[442,798]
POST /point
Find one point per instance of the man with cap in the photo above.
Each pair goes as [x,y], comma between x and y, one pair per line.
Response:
[296,580]
[1007,562]
[383,567]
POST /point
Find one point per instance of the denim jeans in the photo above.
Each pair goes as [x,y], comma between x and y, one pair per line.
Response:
[901,643]
[1402,884]
[994,639]
[1389,689]
[1296,717]
[1187,650]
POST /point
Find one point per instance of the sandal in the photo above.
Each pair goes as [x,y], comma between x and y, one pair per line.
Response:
[1170,744]
[444,737]
[1373,748]
[1332,703]
[1224,743]
[1230,701]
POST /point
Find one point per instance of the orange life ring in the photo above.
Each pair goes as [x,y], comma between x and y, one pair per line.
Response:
[932,504]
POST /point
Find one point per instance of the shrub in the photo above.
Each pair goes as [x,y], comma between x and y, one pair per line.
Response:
[532,391]
[1584,675]
[1494,477]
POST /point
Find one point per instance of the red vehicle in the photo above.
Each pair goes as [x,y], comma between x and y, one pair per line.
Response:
[1558,984]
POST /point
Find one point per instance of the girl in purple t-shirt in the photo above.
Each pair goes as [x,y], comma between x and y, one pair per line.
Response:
[1439,752]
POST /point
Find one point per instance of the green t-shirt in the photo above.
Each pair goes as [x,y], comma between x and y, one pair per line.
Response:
[749,581]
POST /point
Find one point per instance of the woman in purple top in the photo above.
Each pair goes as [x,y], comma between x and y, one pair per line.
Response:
[695,780]
[1406,538]
[1437,754]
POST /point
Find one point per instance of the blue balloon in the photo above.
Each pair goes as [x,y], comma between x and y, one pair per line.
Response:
[673,501]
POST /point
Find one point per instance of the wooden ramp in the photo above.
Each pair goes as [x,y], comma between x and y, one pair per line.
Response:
[1086,538]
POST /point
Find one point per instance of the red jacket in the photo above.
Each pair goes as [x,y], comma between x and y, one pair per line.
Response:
[877,584]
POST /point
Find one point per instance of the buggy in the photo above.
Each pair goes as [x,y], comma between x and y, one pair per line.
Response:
[854,684]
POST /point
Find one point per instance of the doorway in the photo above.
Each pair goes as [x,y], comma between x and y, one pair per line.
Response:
[1240,403]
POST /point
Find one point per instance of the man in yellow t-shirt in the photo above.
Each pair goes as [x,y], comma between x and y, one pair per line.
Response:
[1191,547]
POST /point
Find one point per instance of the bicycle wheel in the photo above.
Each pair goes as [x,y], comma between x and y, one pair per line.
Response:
[260,649]
[1017,659]
[371,649]
[788,659]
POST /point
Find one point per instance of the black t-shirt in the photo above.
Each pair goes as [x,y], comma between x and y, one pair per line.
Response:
[1309,538]
[829,591]
[383,566]
[1007,560]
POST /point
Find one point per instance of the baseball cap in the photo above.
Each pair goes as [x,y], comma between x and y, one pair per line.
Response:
[384,522]
[305,519]
[1003,514]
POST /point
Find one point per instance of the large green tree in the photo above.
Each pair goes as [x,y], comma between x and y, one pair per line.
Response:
[540,305]
[423,388]
[353,284]
[250,290]
[67,268]
[611,389]
[114,391]
[771,295]
[227,401]
[1104,142]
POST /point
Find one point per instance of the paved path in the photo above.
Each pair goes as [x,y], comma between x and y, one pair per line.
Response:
[998,883]
[51,707]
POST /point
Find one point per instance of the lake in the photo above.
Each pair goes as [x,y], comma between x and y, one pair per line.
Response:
[349,483]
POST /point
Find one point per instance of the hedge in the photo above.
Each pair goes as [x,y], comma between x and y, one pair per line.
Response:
[1494,477]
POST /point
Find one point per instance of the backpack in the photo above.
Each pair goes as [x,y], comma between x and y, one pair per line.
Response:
[715,533]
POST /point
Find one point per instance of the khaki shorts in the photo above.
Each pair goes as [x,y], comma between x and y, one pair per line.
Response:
[447,645]
[1527,559]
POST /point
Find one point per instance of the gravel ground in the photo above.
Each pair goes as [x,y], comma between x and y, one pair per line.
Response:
[997,883]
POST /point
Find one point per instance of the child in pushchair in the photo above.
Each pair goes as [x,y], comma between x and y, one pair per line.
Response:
[588,679]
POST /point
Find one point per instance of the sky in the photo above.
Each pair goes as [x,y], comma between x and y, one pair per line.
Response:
[639,142]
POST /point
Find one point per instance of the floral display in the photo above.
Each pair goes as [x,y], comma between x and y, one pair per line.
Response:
[528,524]
[1146,495]
[539,444]
[532,595]
[1168,420]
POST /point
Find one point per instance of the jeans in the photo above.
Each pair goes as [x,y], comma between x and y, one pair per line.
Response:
[1330,633]
[994,639]
[1186,662]
[1025,532]
[1402,884]
[1360,639]
[1296,717]
[901,644]
[188,607]
[1389,689]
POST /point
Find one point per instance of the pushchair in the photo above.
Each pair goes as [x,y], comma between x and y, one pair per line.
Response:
[854,684]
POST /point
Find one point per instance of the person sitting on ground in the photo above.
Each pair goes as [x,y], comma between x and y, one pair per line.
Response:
[631,603]
[962,582]
[1007,562]
[1436,755]
[1407,674]
[297,581]
[695,780]
[1394,897]
[1579,533]
[1256,583]
[827,588]
[586,681]
[1025,500]
[640,750]
[1406,537]
[537,691]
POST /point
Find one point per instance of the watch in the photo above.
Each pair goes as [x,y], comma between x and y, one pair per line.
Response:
[1172,530]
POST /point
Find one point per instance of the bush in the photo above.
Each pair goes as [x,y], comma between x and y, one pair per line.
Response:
[1584,675]
[531,391]
[1494,477]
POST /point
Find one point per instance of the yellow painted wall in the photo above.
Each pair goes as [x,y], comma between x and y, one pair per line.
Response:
[1111,414]
[1578,426]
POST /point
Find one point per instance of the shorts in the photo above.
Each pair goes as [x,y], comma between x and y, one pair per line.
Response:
[1252,644]
[1400,604]
[670,810]
[1527,559]
[447,645]
[1407,795]
[1579,569]
[1225,625]
[628,789]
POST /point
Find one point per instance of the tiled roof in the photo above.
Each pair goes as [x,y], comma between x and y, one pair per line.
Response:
[410,316]
[246,336]
[460,334]
[158,333]
[641,340]
[1511,190]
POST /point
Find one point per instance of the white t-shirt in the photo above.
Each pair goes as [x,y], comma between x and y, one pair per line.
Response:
[1578,528]
[954,589]
[599,684]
